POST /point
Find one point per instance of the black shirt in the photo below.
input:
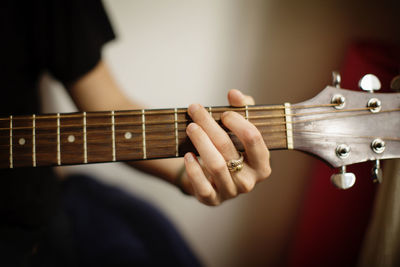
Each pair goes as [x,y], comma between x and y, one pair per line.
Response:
[63,37]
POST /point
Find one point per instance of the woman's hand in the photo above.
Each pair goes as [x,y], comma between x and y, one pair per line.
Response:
[210,181]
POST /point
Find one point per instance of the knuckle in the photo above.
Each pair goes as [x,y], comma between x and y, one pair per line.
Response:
[217,167]
[190,171]
[212,203]
[251,136]
[230,194]
[226,116]
[246,185]
[225,145]
[205,194]
[265,172]
[209,201]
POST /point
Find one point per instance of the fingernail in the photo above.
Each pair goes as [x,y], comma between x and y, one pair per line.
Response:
[223,115]
[191,127]
[189,157]
[193,108]
[226,113]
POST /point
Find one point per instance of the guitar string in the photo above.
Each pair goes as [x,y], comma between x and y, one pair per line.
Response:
[167,112]
[137,132]
[270,138]
[309,136]
[163,131]
[170,121]
[96,114]
[172,146]
[270,132]
[344,135]
[188,121]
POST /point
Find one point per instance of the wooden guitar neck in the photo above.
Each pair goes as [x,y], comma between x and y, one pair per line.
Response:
[91,137]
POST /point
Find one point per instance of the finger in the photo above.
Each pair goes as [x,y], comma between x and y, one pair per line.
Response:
[213,161]
[252,140]
[238,99]
[246,181]
[217,135]
[203,190]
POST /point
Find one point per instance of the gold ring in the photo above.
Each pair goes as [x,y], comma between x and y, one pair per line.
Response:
[235,165]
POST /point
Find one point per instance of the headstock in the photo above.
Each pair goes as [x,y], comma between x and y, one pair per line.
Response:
[345,127]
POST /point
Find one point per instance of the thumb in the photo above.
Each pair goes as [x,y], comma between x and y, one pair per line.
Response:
[237,99]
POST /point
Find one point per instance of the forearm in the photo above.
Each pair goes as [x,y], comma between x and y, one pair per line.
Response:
[97,91]
[210,181]
[167,169]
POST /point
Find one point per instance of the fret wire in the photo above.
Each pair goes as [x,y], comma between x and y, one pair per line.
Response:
[114,158]
[289,129]
[144,134]
[34,140]
[84,139]
[176,134]
[58,140]
[11,143]
[210,111]
[246,112]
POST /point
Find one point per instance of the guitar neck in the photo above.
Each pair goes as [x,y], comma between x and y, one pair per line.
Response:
[92,137]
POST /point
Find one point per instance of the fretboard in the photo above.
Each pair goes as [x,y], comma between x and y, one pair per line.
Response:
[92,137]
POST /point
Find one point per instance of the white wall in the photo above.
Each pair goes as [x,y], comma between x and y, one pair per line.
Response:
[174,52]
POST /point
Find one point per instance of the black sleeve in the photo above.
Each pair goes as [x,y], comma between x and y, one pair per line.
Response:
[76,32]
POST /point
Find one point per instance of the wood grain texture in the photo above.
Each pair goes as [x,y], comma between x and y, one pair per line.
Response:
[60,139]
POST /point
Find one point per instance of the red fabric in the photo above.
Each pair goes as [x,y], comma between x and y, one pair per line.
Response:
[333,222]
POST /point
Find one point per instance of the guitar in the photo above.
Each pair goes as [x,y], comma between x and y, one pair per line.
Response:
[339,126]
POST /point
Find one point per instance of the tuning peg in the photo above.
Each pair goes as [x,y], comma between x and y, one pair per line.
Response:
[343,180]
[377,174]
[336,79]
[395,83]
[369,83]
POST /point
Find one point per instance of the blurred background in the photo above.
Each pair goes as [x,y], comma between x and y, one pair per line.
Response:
[171,53]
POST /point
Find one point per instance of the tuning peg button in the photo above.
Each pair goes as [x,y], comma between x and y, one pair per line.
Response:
[339,101]
[395,83]
[343,180]
[369,83]
[343,151]
[336,79]
[377,174]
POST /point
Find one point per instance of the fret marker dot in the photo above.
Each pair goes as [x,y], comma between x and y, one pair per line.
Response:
[128,135]
[21,141]
[71,138]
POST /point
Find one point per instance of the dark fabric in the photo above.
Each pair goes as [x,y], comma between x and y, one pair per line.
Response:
[112,228]
[63,37]
[81,223]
